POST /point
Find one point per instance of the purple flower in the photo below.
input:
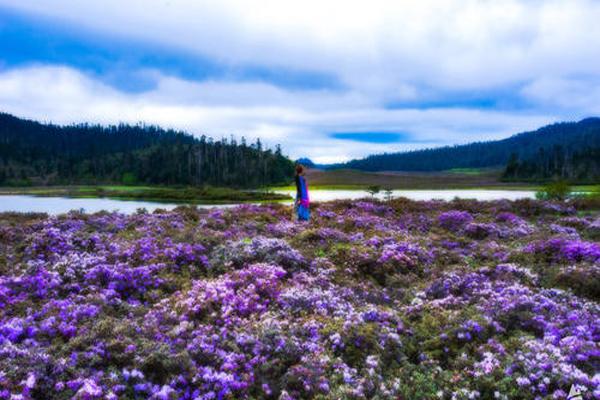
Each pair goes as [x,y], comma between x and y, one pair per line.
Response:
[363,302]
[454,220]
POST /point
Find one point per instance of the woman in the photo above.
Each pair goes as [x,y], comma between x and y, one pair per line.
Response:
[302,201]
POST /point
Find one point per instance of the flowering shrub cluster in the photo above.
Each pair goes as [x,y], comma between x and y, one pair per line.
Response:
[395,300]
[562,249]
[454,219]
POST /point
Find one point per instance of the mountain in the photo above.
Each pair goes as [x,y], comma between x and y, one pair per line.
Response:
[568,149]
[36,153]
[307,162]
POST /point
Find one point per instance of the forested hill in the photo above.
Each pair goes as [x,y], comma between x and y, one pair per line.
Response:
[35,153]
[568,140]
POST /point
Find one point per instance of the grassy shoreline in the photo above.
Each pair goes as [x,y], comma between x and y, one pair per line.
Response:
[163,194]
[483,179]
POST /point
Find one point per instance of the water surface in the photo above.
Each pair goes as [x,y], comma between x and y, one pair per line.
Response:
[59,205]
[477,194]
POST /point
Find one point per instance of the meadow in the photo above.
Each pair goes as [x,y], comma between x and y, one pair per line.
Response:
[386,300]
[458,178]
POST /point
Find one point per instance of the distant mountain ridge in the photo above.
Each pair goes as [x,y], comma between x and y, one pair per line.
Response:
[568,141]
[307,162]
[36,153]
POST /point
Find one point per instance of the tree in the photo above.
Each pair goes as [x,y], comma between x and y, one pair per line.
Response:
[139,154]
[512,166]
[129,178]
[388,194]
[373,189]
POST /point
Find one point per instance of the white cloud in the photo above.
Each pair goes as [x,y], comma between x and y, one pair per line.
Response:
[402,52]
[578,96]
[300,122]
[373,45]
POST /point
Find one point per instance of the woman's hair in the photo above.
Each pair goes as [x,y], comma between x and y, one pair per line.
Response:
[299,169]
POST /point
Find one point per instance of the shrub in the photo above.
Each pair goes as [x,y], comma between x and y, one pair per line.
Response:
[558,190]
[454,220]
[373,190]
[372,300]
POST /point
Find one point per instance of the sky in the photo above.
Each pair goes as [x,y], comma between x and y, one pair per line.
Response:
[329,80]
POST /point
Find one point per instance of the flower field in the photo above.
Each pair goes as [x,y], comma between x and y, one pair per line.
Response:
[396,300]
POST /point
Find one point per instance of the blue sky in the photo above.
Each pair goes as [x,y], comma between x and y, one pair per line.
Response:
[117,60]
[372,137]
[331,80]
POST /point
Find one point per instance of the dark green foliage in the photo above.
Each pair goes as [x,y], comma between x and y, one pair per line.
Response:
[558,190]
[563,162]
[373,189]
[388,193]
[512,166]
[34,153]
[129,178]
[584,281]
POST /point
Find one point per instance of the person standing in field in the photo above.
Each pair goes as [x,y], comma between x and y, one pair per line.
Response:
[302,202]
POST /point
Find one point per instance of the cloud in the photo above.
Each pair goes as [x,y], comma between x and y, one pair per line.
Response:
[293,72]
[124,62]
[576,95]
[300,122]
[374,45]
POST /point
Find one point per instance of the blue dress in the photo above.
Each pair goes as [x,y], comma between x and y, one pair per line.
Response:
[302,200]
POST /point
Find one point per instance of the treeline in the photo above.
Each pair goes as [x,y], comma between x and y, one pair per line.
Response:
[577,141]
[557,163]
[35,153]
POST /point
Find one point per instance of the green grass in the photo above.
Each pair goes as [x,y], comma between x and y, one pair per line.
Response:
[466,171]
[132,188]
[586,188]
[150,193]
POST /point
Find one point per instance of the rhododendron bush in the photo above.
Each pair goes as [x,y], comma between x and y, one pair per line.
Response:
[395,300]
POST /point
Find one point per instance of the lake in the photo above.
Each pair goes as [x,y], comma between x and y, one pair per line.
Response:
[327,195]
[59,205]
